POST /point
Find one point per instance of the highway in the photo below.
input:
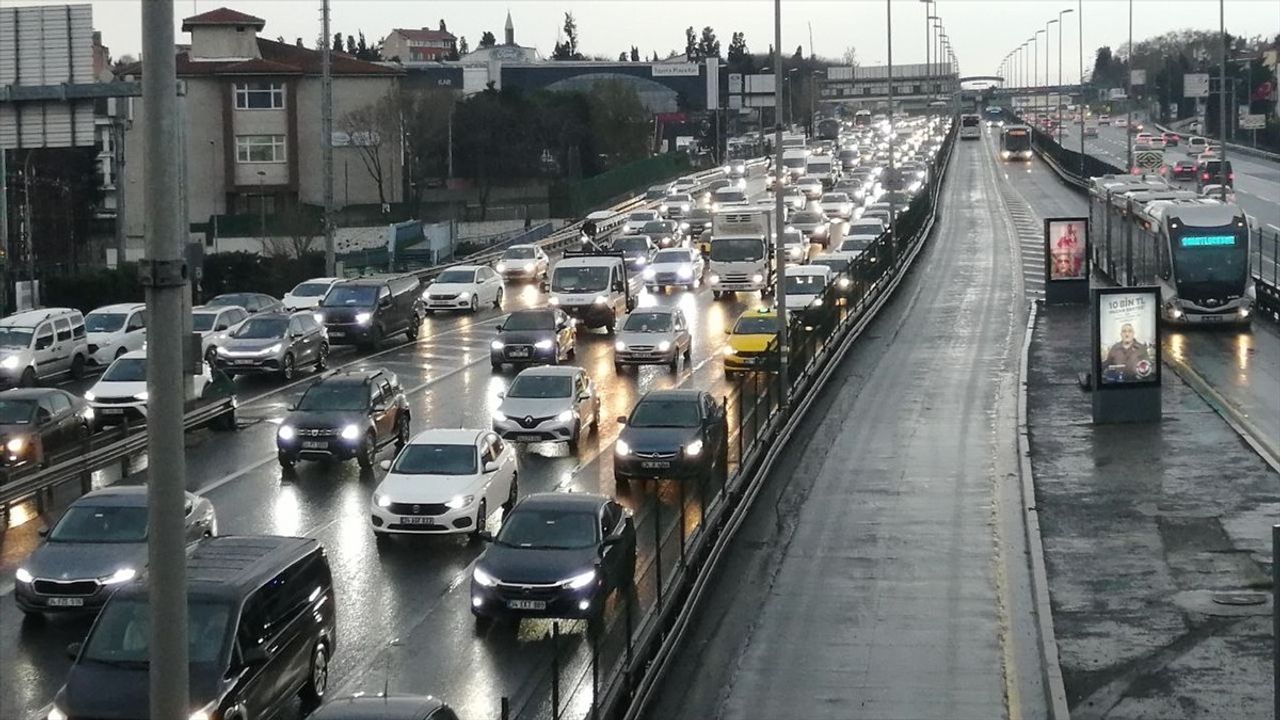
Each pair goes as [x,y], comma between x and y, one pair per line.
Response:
[398,608]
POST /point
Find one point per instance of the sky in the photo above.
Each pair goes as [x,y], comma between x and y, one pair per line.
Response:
[981,32]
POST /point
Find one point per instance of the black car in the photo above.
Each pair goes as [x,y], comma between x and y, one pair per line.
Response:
[664,233]
[36,423]
[366,311]
[1183,169]
[528,337]
[384,707]
[1215,172]
[697,221]
[346,415]
[251,302]
[260,627]
[637,251]
[672,434]
[558,555]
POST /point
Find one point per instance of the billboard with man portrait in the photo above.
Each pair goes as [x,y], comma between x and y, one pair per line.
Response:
[1127,341]
[1066,249]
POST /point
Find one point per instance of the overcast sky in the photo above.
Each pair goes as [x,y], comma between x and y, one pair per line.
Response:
[981,31]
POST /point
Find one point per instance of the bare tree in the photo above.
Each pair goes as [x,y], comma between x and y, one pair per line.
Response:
[372,130]
[850,56]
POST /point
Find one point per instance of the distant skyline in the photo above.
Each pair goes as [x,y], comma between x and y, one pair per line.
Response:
[981,31]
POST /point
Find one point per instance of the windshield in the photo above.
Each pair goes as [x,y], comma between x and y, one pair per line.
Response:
[203,322]
[310,290]
[837,264]
[456,276]
[129,369]
[106,524]
[262,329]
[1213,255]
[104,322]
[856,244]
[671,257]
[807,217]
[872,229]
[121,634]
[835,198]
[730,196]
[15,337]
[969,120]
[351,295]
[676,199]
[16,412]
[631,244]
[743,250]
[805,284]
[549,528]
[229,300]
[541,386]
[335,396]
[756,325]
[660,227]
[1016,141]
[436,459]
[664,412]
[642,216]
[519,253]
[529,321]
[793,162]
[648,322]
[580,279]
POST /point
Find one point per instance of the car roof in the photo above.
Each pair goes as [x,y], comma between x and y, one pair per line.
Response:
[354,375]
[660,309]
[522,246]
[471,268]
[378,707]
[808,270]
[32,393]
[563,500]
[686,394]
[213,308]
[133,354]
[566,370]
[589,261]
[119,307]
[533,311]
[116,496]
[466,436]
[31,318]
[329,280]
[759,312]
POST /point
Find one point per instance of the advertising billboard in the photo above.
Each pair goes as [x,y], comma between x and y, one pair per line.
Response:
[1127,341]
[1066,245]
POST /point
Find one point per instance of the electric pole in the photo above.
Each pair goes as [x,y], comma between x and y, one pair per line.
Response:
[326,130]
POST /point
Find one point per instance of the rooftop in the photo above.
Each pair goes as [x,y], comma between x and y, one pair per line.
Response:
[222,16]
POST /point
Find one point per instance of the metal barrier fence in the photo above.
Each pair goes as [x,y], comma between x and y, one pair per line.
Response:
[608,670]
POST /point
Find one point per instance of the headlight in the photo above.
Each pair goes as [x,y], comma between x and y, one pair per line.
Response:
[757,278]
[272,350]
[9,363]
[500,267]
[122,575]
[794,251]
[464,296]
[554,300]
[621,448]
[497,345]
[350,432]
[817,302]
[141,396]
[222,351]
[565,416]
[684,226]
[728,350]
[789,229]
[499,416]
[844,282]
[285,432]
[620,346]
[90,397]
[203,713]
[685,272]
[460,501]
[319,318]
[56,714]
[16,445]
[693,449]
[364,318]
[23,576]
[577,582]
[713,279]
[642,261]
[382,500]
[544,344]
[662,207]
[483,578]
[601,299]
[649,273]
[664,346]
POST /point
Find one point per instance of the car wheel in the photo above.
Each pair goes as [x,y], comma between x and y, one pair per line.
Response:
[381,540]
[688,354]
[411,332]
[402,431]
[120,352]
[312,693]
[573,439]
[286,367]
[512,495]
[497,299]
[211,356]
[28,378]
[226,421]
[475,304]
[322,357]
[497,366]
[617,368]
[716,294]
[368,451]
[482,519]
[674,363]
[77,367]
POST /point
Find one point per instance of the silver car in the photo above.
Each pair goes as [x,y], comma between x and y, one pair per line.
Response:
[277,343]
[97,545]
[548,404]
[653,336]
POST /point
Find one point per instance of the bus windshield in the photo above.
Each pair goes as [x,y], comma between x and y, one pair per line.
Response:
[1016,141]
[1212,255]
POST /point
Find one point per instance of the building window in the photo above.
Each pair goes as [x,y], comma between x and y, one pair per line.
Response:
[260,148]
[259,96]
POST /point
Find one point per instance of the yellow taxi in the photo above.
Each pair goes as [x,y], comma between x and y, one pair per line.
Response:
[752,342]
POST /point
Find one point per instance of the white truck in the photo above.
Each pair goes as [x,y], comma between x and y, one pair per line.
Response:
[795,161]
[741,251]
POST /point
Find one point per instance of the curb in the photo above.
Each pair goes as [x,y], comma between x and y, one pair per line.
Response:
[1238,421]
[1055,689]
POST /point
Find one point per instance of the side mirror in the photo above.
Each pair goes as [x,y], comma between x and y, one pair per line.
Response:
[43,532]
[384,302]
[490,467]
[584,396]
[43,416]
[498,328]
[611,541]
[622,419]
[73,650]
[502,394]
[385,464]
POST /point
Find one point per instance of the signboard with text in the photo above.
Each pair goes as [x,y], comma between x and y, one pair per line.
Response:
[1195,85]
[1137,77]
[1126,342]
[1252,122]
[674,69]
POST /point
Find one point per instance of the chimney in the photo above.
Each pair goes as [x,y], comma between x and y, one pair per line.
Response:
[442,27]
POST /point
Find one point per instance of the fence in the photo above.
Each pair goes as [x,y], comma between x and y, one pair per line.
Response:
[575,199]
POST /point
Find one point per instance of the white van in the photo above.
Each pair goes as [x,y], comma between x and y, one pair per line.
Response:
[595,288]
[36,345]
[1196,145]
[114,330]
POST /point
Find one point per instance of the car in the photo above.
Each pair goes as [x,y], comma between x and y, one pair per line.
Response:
[683,186]
[463,287]
[841,269]
[1183,170]
[548,404]
[674,267]
[795,198]
[637,251]
[251,302]
[1196,145]
[813,224]
[113,330]
[728,197]
[1104,119]
[366,311]
[39,345]
[637,218]
[523,263]
[39,423]
[379,706]
[213,324]
[752,342]
[804,289]
[697,221]
[1091,131]
[653,335]
[811,187]
[277,342]
[657,192]
[675,205]
[120,394]
[1121,122]
[1170,139]
[1215,171]
[98,543]
[664,233]
[536,335]
[443,482]
[594,288]
[1143,139]
[875,213]
[261,633]
[797,245]
[837,205]
[736,168]
[307,294]
[672,434]
[349,414]
[1215,191]
[558,555]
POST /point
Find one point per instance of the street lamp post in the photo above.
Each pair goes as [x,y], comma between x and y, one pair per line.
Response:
[1128,100]
[262,208]
[1080,80]
[813,94]
[1061,14]
[1047,76]
[928,51]
[1222,96]
[791,97]
[1035,66]
[779,250]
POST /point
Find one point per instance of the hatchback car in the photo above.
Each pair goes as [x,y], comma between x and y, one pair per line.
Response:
[113,330]
[464,287]
[548,404]
[445,482]
[98,543]
[307,294]
[346,415]
[277,343]
[1183,170]
[558,555]
[664,233]
[680,267]
[120,394]
[520,263]
[251,302]
[672,434]
[656,335]
[541,335]
[813,224]
[38,423]
[213,324]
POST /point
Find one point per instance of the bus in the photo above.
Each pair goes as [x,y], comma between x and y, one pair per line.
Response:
[862,118]
[970,127]
[1015,142]
[1196,250]
[829,129]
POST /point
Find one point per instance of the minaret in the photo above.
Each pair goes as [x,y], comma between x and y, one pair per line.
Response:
[510,35]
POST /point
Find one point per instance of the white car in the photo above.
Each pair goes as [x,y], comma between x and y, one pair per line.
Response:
[797,246]
[523,262]
[445,482]
[1214,192]
[674,266]
[307,294]
[548,404]
[805,286]
[464,287]
[113,330]
[120,395]
[837,205]
[214,324]
[811,186]
[637,219]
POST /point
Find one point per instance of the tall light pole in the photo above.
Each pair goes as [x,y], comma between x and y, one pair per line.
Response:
[1061,14]
[1047,76]
[1128,99]
[779,250]
[893,176]
[1222,94]
[942,51]
[928,51]
[326,139]
[1080,58]
[1035,64]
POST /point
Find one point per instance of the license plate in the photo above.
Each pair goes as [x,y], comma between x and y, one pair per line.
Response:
[527,604]
[336,334]
[655,464]
[519,353]
[315,445]
[1211,318]
[112,411]
[528,438]
[412,520]
[244,362]
[66,602]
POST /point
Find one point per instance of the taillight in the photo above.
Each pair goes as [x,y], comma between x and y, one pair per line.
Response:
[1231,177]
[1205,176]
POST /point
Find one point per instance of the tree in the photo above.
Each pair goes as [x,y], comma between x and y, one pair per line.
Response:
[799,54]
[635,54]
[352,49]
[691,50]
[568,49]
[462,49]
[739,57]
[850,56]
[622,56]
[372,131]
[487,40]
[620,125]
[336,46]
[708,45]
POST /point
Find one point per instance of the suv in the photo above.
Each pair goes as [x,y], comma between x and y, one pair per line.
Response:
[672,434]
[274,342]
[1215,172]
[346,415]
[261,630]
[41,344]
[367,310]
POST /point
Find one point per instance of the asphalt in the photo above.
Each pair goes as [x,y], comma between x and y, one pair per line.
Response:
[877,576]
[1142,525]
[403,613]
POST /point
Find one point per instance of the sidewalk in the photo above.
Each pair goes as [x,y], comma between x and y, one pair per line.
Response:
[1142,525]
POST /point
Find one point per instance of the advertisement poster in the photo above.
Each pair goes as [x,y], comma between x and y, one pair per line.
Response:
[1128,339]
[1067,248]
